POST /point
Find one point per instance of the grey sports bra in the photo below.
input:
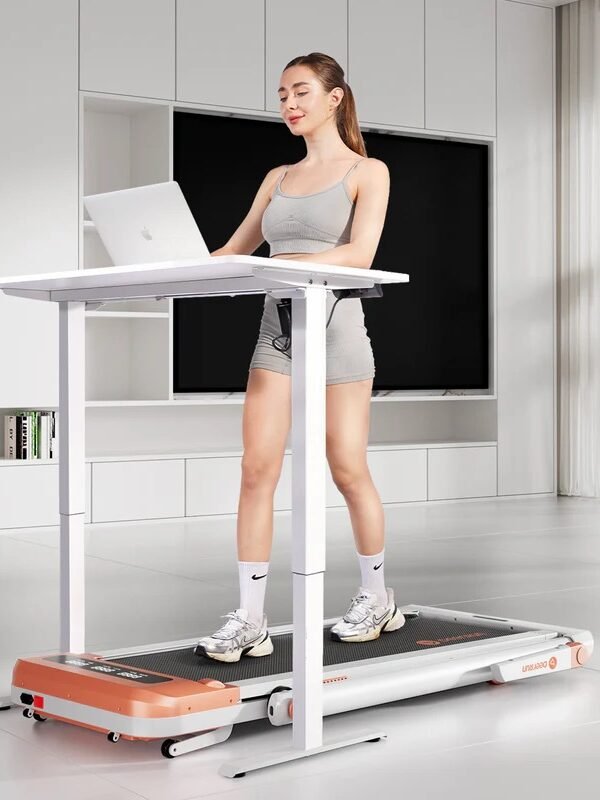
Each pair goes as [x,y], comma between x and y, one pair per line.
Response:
[308,223]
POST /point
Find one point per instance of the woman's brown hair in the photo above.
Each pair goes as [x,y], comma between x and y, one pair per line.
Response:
[330,75]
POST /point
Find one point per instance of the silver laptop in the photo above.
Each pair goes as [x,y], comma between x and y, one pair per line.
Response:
[146,224]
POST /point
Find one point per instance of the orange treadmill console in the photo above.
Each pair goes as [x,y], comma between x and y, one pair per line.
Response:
[93,681]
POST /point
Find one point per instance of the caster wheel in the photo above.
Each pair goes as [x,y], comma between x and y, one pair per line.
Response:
[38,717]
[28,713]
[113,737]
[166,748]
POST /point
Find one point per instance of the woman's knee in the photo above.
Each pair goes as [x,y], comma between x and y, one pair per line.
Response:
[260,473]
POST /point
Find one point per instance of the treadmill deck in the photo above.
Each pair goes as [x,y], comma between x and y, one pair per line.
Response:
[418,634]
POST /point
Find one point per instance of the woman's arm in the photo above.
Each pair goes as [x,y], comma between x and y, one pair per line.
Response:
[369,216]
[248,236]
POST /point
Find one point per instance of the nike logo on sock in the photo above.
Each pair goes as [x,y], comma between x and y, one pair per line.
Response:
[258,577]
[378,565]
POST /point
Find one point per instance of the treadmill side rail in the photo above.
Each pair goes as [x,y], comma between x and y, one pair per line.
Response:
[566,656]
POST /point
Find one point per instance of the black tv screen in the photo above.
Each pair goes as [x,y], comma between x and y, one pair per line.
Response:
[428,334]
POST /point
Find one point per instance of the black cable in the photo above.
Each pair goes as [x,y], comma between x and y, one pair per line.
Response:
[284,310]
[288,338]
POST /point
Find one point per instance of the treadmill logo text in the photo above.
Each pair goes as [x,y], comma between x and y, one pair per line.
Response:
[551,663]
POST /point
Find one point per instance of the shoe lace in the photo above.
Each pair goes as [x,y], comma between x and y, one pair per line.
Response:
[232,627]
[359,608]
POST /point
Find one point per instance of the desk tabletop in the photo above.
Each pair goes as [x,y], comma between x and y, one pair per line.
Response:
[193,277]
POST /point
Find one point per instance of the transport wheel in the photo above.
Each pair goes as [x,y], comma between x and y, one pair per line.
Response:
[376,739]
[38,717]
[166,746]
[28,713]
[239,775]
[113,737]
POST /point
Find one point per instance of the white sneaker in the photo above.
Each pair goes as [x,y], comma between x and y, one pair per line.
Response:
[238,637]
[366,618]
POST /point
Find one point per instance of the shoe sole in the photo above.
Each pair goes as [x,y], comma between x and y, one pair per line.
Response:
[396,621]
[263,648]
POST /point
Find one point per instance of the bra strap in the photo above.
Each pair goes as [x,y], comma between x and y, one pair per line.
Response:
[352,167]
[282,176]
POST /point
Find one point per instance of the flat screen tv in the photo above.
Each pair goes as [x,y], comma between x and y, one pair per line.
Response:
[431,334]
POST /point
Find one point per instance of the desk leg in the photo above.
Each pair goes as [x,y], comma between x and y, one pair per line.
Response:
[309,466]
[71,474]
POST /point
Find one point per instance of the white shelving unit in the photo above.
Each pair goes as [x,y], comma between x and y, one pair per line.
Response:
[138,430]
[125,142]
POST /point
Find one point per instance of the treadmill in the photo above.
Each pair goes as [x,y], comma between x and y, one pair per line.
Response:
[166,692]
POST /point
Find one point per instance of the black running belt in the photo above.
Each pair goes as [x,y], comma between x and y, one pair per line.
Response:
[418,634]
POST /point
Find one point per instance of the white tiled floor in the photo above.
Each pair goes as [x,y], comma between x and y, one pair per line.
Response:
[530,558]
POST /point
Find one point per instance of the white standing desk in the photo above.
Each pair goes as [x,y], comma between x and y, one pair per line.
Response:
[306,284]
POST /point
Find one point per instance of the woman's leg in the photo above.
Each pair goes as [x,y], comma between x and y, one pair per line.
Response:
[348,409]
[265,427]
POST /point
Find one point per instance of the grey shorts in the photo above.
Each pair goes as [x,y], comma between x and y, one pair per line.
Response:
[349,355]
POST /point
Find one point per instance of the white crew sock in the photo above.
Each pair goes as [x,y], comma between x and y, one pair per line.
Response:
[371,571]
[253,583]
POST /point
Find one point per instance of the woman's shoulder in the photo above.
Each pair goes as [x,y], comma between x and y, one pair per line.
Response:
[374,165]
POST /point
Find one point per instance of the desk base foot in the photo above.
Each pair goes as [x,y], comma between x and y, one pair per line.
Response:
[239,767]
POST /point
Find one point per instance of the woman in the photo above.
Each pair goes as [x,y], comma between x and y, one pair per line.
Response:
[332,203]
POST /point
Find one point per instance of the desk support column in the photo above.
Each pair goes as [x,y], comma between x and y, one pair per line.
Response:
[71,474]
[308,513]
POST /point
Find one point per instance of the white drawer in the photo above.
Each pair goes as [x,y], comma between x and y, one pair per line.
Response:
[29,495]
[124,490]
[212,485]
[462,472]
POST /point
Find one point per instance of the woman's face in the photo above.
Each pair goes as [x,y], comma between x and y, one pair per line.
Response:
[304,105]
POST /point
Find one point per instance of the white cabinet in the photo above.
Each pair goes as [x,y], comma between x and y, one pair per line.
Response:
[212,485]
[39,186]
[29,495]
[399,475]
[455,472]
[460,66]
[125,490]
[296,30]
[128,47]
[386,43]
[526,270]
[220,52]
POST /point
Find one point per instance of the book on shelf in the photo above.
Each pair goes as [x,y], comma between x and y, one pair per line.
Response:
[31,435]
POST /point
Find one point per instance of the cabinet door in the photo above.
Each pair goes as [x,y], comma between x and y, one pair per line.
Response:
[39,203]
[128,47]
[212,485]
[124,490]
[220,52]
[29,495]
[298,29]
[460,66]
[386,43]
[461,472]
